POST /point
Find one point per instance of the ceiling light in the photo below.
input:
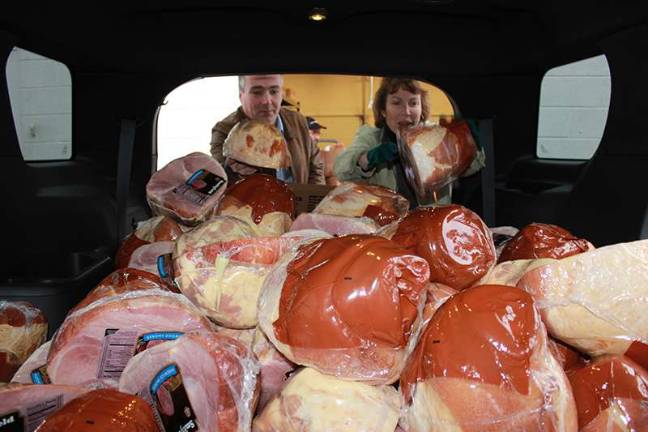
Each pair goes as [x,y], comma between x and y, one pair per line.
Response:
[318,14]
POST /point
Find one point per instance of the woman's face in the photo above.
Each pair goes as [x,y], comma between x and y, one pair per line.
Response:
[402,109]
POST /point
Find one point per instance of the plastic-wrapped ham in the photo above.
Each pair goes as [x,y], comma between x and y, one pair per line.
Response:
[151,258]
[335,225]
[435,156]
[156,229]
[510,272]
[319,403]
[258,144]
[187,189]
[221,267]
[348,306]
[453,239]
[379,203]
[538,240]
[34,370]
[96,342]
[611,396]
[102,410]
[23,328]
[596,301]
[25,407]
[200,381]
[266,203]
[483,365]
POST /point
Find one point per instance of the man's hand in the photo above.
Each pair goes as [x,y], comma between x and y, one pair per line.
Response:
[240,167]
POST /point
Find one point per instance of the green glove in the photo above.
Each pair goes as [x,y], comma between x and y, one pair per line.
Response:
[385,152]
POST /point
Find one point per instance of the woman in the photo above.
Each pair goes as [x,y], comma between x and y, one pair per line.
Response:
[373,157]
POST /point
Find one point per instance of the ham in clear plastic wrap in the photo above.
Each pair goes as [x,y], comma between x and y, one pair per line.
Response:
[435,156]
[379,203]
[187,189]
[151,256]
[155,229]
[483,364]
[596,301]
[96,342]
[315,402]
[453,240]
[611,395]
[266,203]
[221,267]
[205,379]
[538,240]
[102,410]
[316,307]
[335,225]
[23,328]
[510,272]
[258,144]
[34,370]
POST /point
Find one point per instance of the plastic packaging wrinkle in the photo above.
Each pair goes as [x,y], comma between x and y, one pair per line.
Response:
[539,240]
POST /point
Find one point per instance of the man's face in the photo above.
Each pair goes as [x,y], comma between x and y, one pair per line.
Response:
[315,134]
[261,97]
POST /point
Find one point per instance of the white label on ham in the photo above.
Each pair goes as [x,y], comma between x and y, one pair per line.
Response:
[37,413]
[118,348]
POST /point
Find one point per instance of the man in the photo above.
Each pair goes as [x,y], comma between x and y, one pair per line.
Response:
[260,97]
[314,128]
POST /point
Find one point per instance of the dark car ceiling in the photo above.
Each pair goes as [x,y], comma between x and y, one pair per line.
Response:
[436,38]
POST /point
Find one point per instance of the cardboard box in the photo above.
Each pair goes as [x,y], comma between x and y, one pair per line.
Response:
[307,196]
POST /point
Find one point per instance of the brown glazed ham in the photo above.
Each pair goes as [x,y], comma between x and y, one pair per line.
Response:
[102,410]
[266,203]
[156,229]
[23,328]
[316,305]
[611,395]
[335,225]
[24,407]
[434,156]
[539,240]
[379,203]
[207,380]
[315,402]
[187,189]
[596,301]
[483,365]
[258,144]
[453,240]
[96,342]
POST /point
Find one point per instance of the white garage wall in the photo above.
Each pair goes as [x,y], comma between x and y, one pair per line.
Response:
[190,111]
[574,102]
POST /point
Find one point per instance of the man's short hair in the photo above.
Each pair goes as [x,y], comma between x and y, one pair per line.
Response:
[241,82]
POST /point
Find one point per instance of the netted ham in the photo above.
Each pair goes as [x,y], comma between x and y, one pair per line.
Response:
[258,144]
[611,395]
[102,410]
[482,364]
[121,281]
[453,240]
[379,203]
[319,403]
[435,156]
[275,368]
[596,301]
[34,369]
[539,240]
[187,189]
[96,342]
[25,407]
[221,267]
[156,229]
[151,257]
[266,203]
[335,225]
[350,307]
[23,328]
[207,380]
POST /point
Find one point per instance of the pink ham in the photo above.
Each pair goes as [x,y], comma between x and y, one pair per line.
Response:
[96,342]
[379,203]
[258,144]
[335,225]
[187,189]
[23,328]
[155,229]
[504,379]
[218,375]
[145,257]
[596,301]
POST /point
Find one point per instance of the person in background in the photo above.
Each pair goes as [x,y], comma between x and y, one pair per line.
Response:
[261,97]
[372,156]
[314,128]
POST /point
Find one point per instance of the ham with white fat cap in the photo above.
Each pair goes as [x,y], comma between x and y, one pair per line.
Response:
[335,225]
[258,144]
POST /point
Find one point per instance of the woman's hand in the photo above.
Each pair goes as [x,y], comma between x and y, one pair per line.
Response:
[382,154]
